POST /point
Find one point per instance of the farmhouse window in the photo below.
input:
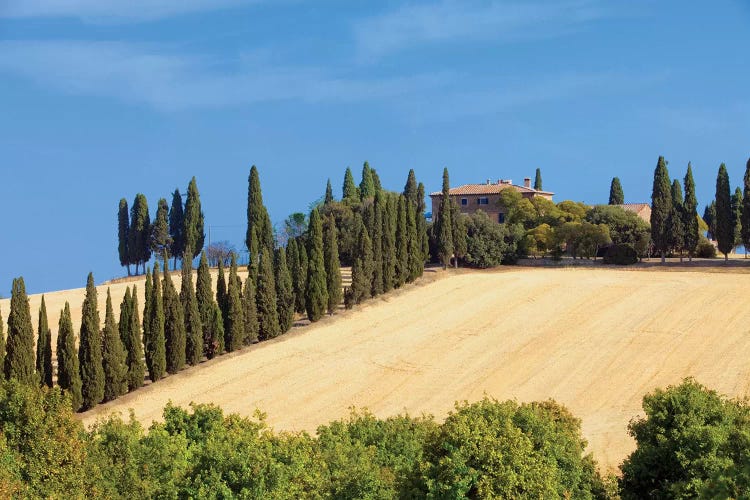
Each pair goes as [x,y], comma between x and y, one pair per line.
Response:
[501,218]
[483,201]
[464,201]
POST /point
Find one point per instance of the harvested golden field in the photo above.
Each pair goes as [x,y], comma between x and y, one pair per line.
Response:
[596,340]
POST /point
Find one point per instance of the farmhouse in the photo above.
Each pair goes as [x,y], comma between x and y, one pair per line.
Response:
[642,210]
[473,197]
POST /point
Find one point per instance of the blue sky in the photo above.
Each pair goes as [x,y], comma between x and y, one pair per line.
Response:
[101,99]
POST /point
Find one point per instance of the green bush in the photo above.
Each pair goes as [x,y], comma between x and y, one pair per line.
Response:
[705,249]
[490,244]
[621,254]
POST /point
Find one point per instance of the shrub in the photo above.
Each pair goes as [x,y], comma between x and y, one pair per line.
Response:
[488,243]
[621,254]
[705,249]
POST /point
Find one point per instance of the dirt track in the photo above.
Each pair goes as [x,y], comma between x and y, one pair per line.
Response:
[595,340]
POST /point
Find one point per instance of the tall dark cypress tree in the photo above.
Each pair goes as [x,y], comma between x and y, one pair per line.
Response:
[258,221]
[250,308]
[139,235]
[690,214]
[90,349]
[123,228]
[724,216]
[215,333]
[316,295]
[148,294]
[676,227]
[745,217]
[68,370]
[113,356]
[332,264]
[616,195]
[234,323]
[709,217]
[443,224]
[737,216]
[177,227]
[2,342]
[538,180]
[205,297]
[130,334]
[44,347]
[402,244]
[154,343]
[174,326]
[376,180]
[292,260]
[268,315]
[661,209]
[410,188]
[191,314]
[161,241]
[362,267]
[19,346]
[367,186]
[300,293]
[377,245]
[329,193]
[422,226]
[284,290]
[414,250]
[194,233]
[389,243]
[221,298]
[350,193]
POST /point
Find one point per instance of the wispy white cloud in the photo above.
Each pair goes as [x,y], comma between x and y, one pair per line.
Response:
[149,75]
[452,20]
[112,10]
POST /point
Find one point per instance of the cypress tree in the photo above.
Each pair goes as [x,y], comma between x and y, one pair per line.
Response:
[292,260]
[690,214]
[737,216]
[745,216]
[68,371]
[44,347]
[177,226]
[234,329]
[661,209]
[174,326]
[332,264]
[130,334]
[221,298]
[724,216]
[154,342]
[538,180]
[444,225]
[362,267]
[113,356]
[148,298]
[161,241]
[284,290]
[367,186]
[458,232]
[422,227]
[250,308]
[389,244]
[709,217]
[300,294]
[410,188]
[616,196]
[329,193]
[2,342]
[123,228]
[350,191]
[215,333]
[19,346]
[414,251]
[193,230]
[316,295]
[90,349]
[402,244]
[268,315]
[205,297]
[258,221]
[376,180]
[377,245]
[139,235]
[191,314]
[676,227]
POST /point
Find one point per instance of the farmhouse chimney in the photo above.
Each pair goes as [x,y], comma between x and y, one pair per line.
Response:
[488,182]
[527,182]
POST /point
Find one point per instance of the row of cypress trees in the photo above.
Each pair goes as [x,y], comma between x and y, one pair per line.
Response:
[728,215]
[174,228]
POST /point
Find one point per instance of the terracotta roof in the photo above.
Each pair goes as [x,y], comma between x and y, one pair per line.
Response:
[493,188]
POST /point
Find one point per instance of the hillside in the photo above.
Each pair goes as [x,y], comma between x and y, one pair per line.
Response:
[595,340]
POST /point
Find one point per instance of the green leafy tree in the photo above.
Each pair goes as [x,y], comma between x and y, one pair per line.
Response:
[113,356]
[123,228]
[267,303]
[154,342]
[329,193]
[367,186]
[538,180]
[191,314]
[709,217]
[616,196]
[690,215]
[625,227]
[177,227]
[194,234]
[402,244]
[350,191]
[295,225]
[139,234]
[377,245]
[444,225]
[284,290]
[161,241]
[234,330]
[68,370]
[90,349]
[736,203]
[488,243]
[130,334]
[43,347]
[332,266]
[174,326]
[745,216]
[724,216]
[205,297]
[316,294]
[661,209]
